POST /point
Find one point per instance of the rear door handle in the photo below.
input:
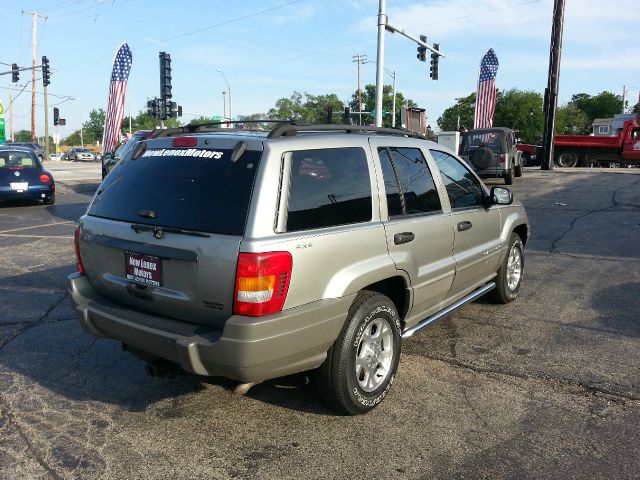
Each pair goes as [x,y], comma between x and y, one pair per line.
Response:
[404,237]
[466,225]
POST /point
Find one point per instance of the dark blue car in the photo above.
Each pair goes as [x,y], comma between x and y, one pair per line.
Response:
[22,176]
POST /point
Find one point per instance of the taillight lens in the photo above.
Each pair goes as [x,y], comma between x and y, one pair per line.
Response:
[76,241]
[44,178]
[503,158]
[185,142]
[262,283]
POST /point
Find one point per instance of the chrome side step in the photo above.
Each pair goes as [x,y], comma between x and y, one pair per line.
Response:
[450,309]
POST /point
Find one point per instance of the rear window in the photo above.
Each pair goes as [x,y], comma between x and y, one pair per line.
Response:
[491,140]
[17,159]
[193,189]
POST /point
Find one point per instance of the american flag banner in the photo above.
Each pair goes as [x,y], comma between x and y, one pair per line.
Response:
[486,96]
[117,90]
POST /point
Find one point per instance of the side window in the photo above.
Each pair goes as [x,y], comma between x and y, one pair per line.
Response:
[408,182]
[328,187]
[463,188]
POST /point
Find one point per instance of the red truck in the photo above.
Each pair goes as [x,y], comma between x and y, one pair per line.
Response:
[588,150]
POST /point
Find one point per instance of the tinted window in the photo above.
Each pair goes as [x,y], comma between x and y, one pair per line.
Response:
[463,188]
[472,141]
[17,159]
[408,182]
[191,192]
[328,187]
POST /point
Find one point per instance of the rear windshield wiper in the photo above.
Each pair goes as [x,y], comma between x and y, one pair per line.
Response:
[159,232]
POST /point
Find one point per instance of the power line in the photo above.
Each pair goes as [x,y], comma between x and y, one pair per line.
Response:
[192,32]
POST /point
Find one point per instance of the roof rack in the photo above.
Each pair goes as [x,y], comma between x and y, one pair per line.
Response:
[283,128]
[291,129]
[217,127]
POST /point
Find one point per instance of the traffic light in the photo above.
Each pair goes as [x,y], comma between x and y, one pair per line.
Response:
[15,73]
[179,110]
[165,76]
[329,114]
[346,117]
[46,72]
[56,116]
[435,58]
[422,51]
[173,110]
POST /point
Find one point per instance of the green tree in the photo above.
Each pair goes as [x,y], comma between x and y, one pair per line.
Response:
[603,105]
[305,107]
[22,136]
[516,109]
[369,103]
[570,120]
[464,108]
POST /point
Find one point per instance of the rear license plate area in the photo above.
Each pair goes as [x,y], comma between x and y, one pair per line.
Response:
[19,186]
[145,269]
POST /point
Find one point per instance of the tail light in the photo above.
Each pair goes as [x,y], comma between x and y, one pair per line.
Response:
[185,142]
[262,283]
[76,241]
[44,178]
[503,158]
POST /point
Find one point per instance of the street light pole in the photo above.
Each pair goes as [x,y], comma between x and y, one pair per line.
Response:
[228,90]
[382,23]
[224,105]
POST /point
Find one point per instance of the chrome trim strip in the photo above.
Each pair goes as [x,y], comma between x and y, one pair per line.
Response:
[450,309]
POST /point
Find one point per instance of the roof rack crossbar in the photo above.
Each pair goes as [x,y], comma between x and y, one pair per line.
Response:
[198,127]
[291,129]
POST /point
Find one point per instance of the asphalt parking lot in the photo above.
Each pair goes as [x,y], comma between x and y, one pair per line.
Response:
[545,387]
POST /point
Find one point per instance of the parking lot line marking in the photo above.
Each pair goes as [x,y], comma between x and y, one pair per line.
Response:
[35,236]
[37,226]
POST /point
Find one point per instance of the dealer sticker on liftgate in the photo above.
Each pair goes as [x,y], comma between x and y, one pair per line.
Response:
[143,268]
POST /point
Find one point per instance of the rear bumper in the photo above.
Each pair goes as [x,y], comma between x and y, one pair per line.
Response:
[34,192]
[246,349]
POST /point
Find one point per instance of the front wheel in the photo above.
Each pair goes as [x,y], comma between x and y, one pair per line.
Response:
[509,277]
[361,365]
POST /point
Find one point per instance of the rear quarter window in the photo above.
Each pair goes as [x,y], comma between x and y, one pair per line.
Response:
[193,189]
[328,187]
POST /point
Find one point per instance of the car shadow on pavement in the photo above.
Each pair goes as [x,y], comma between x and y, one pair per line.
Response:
[46,346]
[68,212]
[87,188]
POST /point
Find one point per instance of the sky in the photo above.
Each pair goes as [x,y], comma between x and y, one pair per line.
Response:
[270,48]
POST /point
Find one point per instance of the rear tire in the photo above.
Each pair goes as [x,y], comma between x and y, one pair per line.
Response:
[567,159]
[50,200]
[518,171]
[508,178]
[510,273]
[361,365]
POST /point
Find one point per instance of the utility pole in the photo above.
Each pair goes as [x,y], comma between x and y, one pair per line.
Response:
[46,125]
[33,74]
[393,119]
[553,82]
[228,90]
[11,112]
[624,97]
[359,59]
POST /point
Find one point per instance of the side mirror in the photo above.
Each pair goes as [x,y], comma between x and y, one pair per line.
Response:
[501,196]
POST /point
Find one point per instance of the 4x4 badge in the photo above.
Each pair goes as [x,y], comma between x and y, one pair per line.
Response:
[304,245]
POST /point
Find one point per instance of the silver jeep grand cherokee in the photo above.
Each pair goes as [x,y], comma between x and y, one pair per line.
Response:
[253,255]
